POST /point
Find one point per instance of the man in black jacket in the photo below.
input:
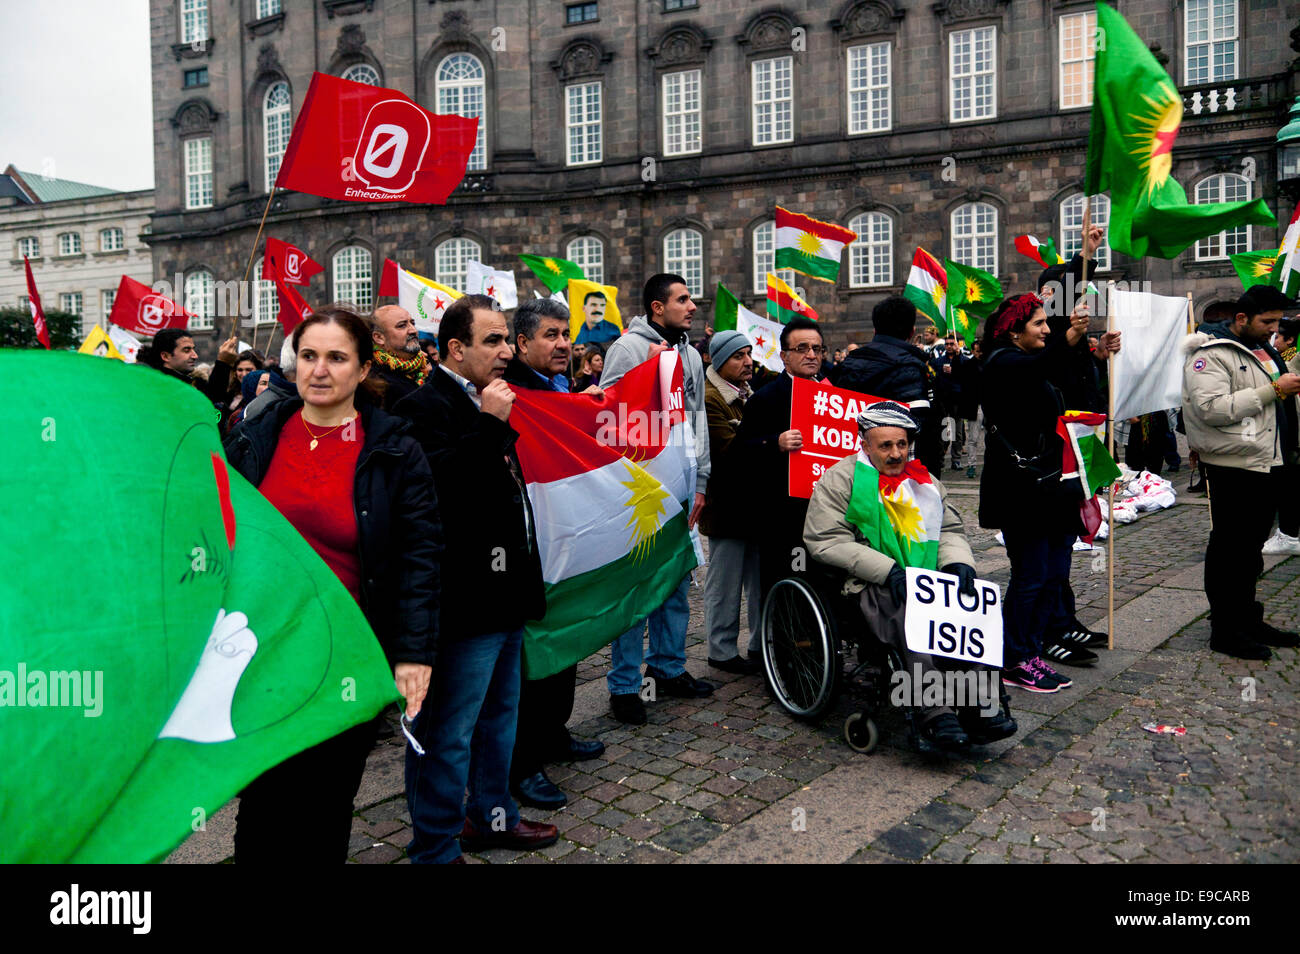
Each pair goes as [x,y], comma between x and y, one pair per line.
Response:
[172,352]
[545,705]
[890,368]
[400,361]
[491,585]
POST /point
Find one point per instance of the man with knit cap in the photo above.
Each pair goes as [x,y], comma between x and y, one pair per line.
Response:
[725,520]
[400,361]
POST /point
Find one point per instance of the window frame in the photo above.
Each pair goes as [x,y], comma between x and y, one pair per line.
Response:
[355,282]
[190,177]
[850,92]
[261,14]
[268,313]
[767,230]
[1090,56]
[585,124]
[80,308]
[681,269]
[471,251]
[36,246]
[281,114]
[975,235]
[972,75]
[201,321]
[1210,43]
[682,114]
[121,239]
[1100,216]
[581,5]
[478,157]
[868,247]
[202,20]
[1200,252]
[75,240]
[774,102]
[582,260]
[107,297]
[379,80]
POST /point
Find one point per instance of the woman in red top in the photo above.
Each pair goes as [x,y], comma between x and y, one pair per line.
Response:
[357,486]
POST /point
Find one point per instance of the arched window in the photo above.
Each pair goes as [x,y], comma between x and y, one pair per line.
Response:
[277,123]
[871,257]
[684,255]
[353,276]
[201,299]
[588,253]
[1223,188]
[362,73]
[266,304]
[451,260]
[460,91]
[975,236]
[1072,228]
[764,248]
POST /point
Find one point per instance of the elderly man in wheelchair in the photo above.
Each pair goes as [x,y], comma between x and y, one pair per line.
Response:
[869,516]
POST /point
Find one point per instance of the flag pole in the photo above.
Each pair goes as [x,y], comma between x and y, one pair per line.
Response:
[1110,492]
[253,253]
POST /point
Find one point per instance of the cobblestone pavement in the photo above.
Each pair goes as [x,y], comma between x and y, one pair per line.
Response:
[733,778]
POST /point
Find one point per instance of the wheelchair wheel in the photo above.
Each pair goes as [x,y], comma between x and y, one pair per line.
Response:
[860,732]
[800,651]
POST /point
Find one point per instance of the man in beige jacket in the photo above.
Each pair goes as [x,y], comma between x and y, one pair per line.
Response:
[1239,409]
[888,432]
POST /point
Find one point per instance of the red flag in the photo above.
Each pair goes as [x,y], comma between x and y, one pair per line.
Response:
[139,308]
[370,144]
[34,303]
[288,263]
[388,281]
[293,308]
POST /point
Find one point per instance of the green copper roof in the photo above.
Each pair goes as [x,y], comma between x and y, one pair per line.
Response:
[48,189]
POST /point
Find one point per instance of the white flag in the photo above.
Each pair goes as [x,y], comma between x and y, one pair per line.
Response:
[1148,371]
[764,335]
[481,280]
[125,342]
[424,299]
[1286,273]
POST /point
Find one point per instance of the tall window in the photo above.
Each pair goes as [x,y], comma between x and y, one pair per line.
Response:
[267,8]
[198,173]
[111,240]
[772,92]
[460,90]
[201,299]
[588,253]
[871,257]
[975,236]
[353,276]
[1078,50]
[451,260]
[70,243]
[1072,228]
[868,88]
[277,123]
[70,302]
[765,257]
[681,106]
[266,304]
[362,73]
[29,246]
[684,256]
[582,123]
[194,20]
[972,65]
[1223,188]
[1211,31]
[106,299]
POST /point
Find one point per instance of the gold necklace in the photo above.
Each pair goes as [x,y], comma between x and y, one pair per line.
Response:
[315,438]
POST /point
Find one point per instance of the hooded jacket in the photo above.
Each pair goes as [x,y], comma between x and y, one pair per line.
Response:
[632,348]
[1231,412]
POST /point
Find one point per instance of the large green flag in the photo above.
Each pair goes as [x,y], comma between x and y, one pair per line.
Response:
[1255,268]
[1136,112]
[165,634]
[972,294]
[554,273]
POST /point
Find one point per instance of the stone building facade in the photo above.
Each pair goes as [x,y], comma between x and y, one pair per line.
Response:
[658,134]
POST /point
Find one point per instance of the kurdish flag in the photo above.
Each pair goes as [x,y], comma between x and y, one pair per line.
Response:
[972,294]
[128,715]
[898,516]
[424,298]
[1286,272]
[764,335]
[809,246]
[927,288]
[554,273]
[610,480]
[1136,113]
[782,302]
[1085,456]
[1044,253]
[1255,268]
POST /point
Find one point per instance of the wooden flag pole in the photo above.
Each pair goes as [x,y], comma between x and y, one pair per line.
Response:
[253,255]
[1110,493]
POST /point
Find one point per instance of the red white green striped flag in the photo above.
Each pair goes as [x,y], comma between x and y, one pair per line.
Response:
[1085,455]
[782,302]
[809,246]
[898,516]
[1044,253]
[764,335]
[1286,271]
[610,480]
[927,288]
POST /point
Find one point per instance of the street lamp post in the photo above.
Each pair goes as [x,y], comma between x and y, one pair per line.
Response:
[1288,154]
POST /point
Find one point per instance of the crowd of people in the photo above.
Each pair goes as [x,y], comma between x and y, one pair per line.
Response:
[393,454]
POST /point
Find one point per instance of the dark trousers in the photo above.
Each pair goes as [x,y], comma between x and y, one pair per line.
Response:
[1034,606]
[1288,501]
[781,551]
[545,706]
[310,794]
[1242,503]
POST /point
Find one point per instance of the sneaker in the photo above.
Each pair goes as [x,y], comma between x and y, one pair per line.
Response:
[1044,669]
[1080,638]
[970,471]
[628,708]
[1025,676]
[1279,542]
[1067,655]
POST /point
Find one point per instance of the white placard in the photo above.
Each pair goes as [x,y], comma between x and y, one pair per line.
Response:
[941,621]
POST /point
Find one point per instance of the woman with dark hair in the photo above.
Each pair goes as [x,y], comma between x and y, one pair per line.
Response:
[1021,492]
[247,362]
[593,362]
[357,486]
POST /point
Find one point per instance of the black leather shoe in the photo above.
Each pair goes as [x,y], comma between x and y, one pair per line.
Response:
[538,791]
[1240,647]
[684,686]
[737,664]
[576,750]
[1272,636]
[945,732]
[627,708]
[982,730]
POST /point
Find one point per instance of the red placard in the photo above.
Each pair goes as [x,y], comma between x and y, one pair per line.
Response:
[827,418]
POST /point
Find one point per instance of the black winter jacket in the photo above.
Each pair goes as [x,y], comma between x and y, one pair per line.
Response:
[755,453]
[491,571]
[397,523]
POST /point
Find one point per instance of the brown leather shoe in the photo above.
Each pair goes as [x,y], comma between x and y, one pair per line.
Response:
[526,836]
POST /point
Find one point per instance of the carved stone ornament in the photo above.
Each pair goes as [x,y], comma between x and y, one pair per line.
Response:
[866,18]
[345,8]
[688,168]
[454,25]
[351,40]
[972,136]
[194,116]
[683,44]
[268,60]
[950,11]
[870,148]
[581,58]
[768,31]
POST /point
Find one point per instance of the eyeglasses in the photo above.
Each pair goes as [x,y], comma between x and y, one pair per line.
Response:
[809,349]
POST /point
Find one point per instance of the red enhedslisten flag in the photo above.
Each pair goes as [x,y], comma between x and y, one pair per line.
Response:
[139,308]
[288,263]
[34,303]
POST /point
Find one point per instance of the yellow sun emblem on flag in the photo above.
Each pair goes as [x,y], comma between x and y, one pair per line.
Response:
[940,296]
[551,264]
[808,243]
[972,289]
[903,514]
[1264,267]
[1153,141]
[646,504]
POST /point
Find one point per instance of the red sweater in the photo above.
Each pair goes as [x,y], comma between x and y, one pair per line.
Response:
[313,489]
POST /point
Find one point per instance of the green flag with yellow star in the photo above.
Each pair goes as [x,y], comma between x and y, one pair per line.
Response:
[1136,112]
[972,294]
[1255,268]
[554,273]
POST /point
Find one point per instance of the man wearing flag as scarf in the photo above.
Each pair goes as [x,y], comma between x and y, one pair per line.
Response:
[872,515]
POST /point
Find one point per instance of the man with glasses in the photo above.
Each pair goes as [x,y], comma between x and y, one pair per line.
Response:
[766,441]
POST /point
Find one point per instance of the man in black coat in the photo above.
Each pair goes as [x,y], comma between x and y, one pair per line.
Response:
[400,361]
[891,368]
[491,585]
[545,705]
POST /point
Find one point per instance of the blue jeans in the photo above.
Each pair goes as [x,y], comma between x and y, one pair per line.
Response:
[667,644]
[467,729]
[1034,605]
